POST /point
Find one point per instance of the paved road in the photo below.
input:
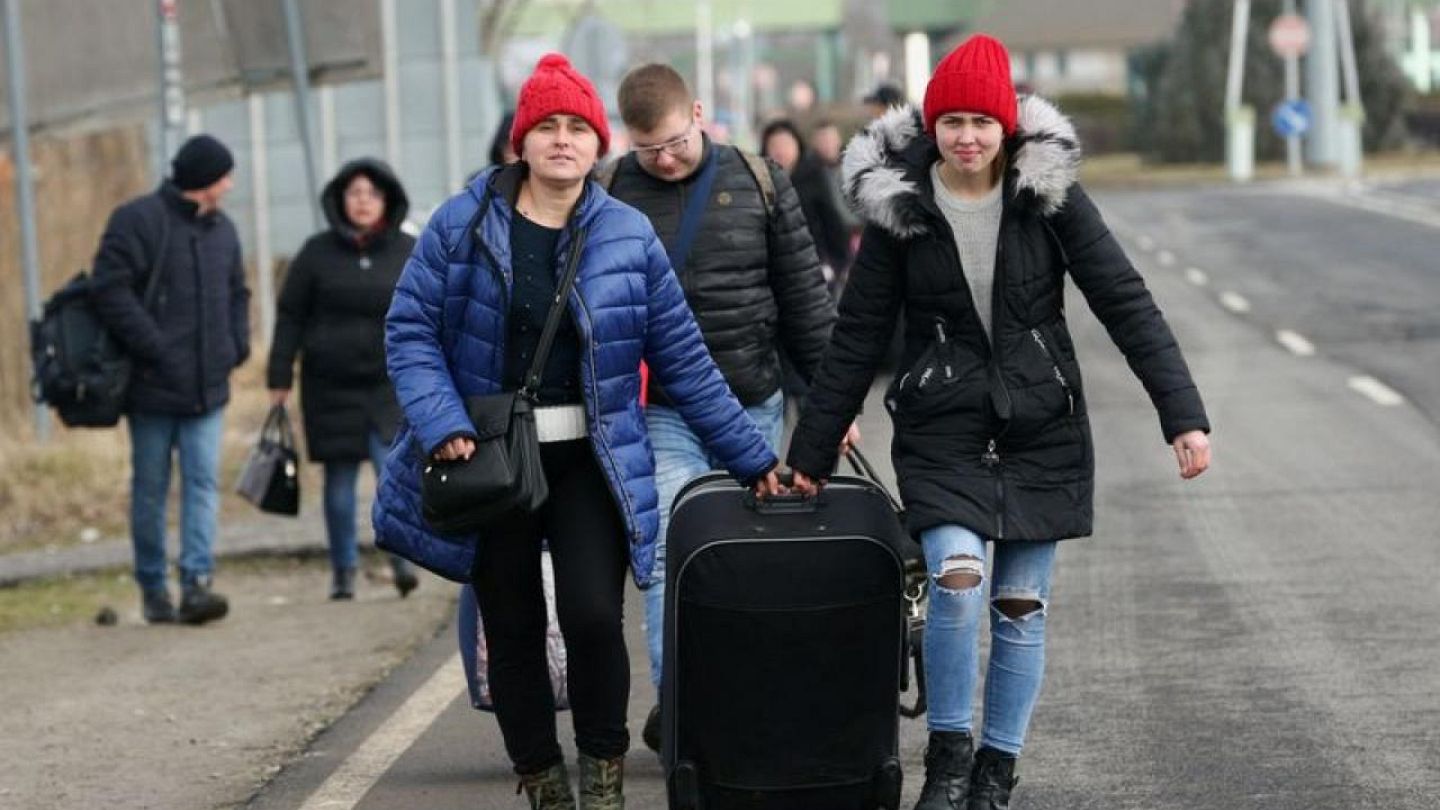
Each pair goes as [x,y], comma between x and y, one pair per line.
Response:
[1265,637]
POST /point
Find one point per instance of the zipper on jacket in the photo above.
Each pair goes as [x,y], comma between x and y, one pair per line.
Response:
[991,460]
[595,431]
[1055,366]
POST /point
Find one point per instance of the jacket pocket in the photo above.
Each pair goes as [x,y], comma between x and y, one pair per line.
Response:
[1056,373]
[921,388]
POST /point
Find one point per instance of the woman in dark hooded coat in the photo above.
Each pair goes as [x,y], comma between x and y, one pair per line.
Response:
[332,313]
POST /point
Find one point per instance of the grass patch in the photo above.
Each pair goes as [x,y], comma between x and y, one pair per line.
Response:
[66,600]
[76,487]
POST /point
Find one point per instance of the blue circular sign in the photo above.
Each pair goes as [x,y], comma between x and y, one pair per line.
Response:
[1291,118]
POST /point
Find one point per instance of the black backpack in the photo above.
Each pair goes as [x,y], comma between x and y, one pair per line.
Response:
[81,370]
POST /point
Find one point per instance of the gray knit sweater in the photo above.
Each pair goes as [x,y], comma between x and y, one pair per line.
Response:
[976,225]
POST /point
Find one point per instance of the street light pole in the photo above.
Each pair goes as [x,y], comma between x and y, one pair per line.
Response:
[24,179]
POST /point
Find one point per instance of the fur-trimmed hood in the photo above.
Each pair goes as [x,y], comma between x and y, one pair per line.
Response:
[886,166]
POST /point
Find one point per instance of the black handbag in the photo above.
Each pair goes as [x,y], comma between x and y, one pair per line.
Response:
[270,478]
[504,474]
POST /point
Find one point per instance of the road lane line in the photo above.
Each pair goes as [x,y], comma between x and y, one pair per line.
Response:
[1296,343]
[1196,276]
[1235,302]
[1166,258]
[362,769]
[1378,392]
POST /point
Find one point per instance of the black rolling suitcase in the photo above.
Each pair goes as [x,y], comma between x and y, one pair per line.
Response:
[785,645]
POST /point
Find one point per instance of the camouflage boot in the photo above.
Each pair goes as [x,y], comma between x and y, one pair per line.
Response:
[602,783]
[549,789]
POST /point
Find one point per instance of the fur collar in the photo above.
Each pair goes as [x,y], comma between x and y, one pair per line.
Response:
[885,166]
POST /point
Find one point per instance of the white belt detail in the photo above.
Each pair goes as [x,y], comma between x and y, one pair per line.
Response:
[561,423]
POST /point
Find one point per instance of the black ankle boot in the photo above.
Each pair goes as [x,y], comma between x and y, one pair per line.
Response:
[992,780]
[947,771]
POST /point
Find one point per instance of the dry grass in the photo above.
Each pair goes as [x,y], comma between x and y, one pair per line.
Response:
[76,487]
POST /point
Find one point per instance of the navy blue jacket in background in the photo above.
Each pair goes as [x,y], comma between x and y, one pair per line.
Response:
[198,331]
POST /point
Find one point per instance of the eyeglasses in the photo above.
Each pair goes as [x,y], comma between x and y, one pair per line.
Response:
[673,147]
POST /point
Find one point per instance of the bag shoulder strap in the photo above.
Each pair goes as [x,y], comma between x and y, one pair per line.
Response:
[157,262]
[695,207]
[552,320]
[761,172]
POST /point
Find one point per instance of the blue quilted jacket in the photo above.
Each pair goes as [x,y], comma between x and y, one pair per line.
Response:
[444,340]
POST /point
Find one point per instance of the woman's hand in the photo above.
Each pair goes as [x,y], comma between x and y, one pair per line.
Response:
[457,449]
[769,484]
[1192,451]
[805,485]
[852,438]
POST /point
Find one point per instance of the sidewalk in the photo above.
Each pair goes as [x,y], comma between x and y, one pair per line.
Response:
[258,535]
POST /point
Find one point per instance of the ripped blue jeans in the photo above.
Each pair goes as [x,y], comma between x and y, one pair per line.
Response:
[1020,571]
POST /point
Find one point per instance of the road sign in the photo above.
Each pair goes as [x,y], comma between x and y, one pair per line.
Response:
[1291,118]
[1289,35]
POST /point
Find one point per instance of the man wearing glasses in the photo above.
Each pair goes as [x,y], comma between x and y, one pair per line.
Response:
[750,274]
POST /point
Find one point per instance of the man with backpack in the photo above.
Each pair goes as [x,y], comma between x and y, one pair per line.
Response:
[183,341]
[738,241]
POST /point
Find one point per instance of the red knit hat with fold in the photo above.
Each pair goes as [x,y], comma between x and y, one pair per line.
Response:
[975,78]
[554,88]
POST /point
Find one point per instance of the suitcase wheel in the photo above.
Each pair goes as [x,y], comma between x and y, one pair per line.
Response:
[888,778]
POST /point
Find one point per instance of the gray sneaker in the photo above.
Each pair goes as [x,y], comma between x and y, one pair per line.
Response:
[157,607]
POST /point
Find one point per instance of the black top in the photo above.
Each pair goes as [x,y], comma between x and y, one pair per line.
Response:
[185,347]
[752,277]
[331,314]
[535,265]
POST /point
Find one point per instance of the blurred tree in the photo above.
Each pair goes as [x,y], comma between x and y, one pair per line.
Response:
[1181,114]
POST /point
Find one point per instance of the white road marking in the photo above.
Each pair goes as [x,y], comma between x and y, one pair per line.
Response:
[357,774]
[1235,302]
[1146,243]
[1378,392]
[1296,343]
[1166,258]
[1196,276]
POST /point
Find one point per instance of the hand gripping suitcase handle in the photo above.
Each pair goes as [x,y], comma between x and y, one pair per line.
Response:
[788,504]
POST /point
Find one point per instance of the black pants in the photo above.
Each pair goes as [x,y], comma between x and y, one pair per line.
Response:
[588,549]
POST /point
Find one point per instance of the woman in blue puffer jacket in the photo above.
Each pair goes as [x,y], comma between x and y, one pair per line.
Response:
[465,321]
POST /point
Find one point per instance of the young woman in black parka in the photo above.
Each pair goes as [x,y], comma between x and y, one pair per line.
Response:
[332,314]
[973,221]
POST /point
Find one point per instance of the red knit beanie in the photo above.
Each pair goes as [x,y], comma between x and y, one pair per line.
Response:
[554,88]
[975,77]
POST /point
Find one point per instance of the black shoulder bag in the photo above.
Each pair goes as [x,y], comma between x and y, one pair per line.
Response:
[504,474]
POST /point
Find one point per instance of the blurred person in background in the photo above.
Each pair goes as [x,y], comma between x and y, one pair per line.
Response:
[974,219]
[827,145]
[780,141]
[331,315]
[751,277]
[183,352]
[466,321]
[885,97]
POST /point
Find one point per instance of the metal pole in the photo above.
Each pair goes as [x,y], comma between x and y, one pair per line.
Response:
[1235,78]
[1322,70]
[300,75]
[390,58]
[705,57]
[24,179]
[172,90]
[1239,119]
[450,81]
[1293,158]
[260,202]
[1348,69]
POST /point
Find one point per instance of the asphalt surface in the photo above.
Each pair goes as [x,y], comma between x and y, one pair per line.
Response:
[1267,636]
